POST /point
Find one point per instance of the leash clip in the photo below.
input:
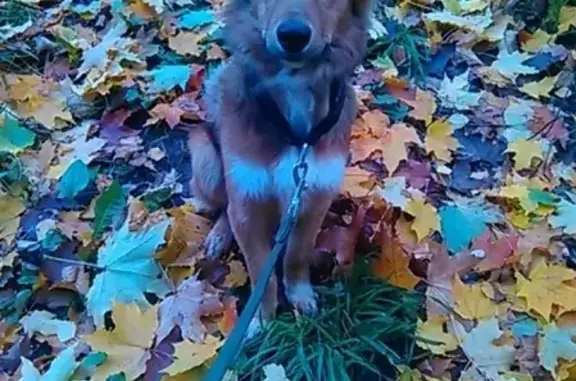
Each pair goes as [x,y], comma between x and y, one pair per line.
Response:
[300,169]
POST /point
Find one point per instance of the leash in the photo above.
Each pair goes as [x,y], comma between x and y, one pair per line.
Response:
[232,344]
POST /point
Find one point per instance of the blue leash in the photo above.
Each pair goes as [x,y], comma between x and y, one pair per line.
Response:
[231,347]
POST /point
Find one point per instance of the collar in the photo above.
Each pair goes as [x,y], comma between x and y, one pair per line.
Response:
[269,108]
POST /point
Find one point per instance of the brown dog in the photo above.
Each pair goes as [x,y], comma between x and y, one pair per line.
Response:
[294,52]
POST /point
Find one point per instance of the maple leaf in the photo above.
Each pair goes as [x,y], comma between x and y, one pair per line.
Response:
[454,93]
[189,355]
[394,191]
[46,323]
[471,301]
[128,269]
[61,369]
[488,360]
[556,343]
[541,88]
[168,113]
[394,148]
[495,253]
[38,98]
[545,287]
[12,208]
[128,345]
[439,140]
[393,262]
[186,43]
[422,102]
[474,23]
[511,65]
[565,216]
[166,77]
[13,136]
[425,218]
[192,300]
[357,182]
[465,219]
[436,339]
[566,19]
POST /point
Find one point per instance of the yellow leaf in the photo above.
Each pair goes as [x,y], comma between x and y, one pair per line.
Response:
[433,330]
[186,43]
[567,18]
[425,218]
[525,150]
[471,301]
[189,355]
[127,346]
[439,140]
[536,41]
[11,208]
[541,88]
[545,287]
[393,263]
[237,276]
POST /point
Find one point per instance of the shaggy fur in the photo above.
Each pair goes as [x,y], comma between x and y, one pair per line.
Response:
[243,168]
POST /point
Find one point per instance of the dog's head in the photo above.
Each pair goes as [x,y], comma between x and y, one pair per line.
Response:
[321,37]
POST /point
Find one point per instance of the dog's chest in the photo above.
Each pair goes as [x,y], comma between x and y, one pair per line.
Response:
[256,181]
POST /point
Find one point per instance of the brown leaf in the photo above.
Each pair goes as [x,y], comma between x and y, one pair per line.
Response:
[342,239]
[192,300]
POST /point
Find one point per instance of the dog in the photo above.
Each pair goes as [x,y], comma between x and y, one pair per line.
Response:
[288,57]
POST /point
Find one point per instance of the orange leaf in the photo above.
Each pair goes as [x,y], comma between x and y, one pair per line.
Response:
[167,113]
[357,182]
[230,315]
[393,263]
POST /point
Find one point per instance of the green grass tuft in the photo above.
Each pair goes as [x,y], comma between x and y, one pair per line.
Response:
[364,328]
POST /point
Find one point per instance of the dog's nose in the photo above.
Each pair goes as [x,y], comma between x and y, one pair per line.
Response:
[293,35]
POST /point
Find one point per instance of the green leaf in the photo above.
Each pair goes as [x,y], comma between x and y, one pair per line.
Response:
[109,206]
[154,200]
[13,137]
[128,270]
[75,179]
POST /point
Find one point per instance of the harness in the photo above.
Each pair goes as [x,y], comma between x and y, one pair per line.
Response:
[270,110]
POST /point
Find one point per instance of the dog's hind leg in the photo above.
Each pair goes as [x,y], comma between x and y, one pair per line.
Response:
[209,190]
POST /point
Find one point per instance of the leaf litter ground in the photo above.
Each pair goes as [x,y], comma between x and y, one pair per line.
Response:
[460,183]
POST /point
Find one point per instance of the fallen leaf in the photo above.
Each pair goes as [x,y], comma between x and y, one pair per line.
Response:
[525,151]
[478,345]
[128,345]
[541,88]
[545,287]
[436,338]
[274,372]
[565,216]
[189,355]
[193,300]
[12,208]
[170,114]
[425,218]
[237,277]
[61,368]
[186,43]
[439,140]
[392,265]
[46,323]
[471,301]
[556,343]
[128,269]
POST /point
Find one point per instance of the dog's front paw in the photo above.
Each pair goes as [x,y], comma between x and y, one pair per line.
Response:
[302,296]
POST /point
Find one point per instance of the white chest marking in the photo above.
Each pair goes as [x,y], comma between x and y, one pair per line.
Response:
[258,182]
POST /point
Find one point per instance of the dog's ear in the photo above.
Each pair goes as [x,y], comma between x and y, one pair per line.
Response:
[361,8]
